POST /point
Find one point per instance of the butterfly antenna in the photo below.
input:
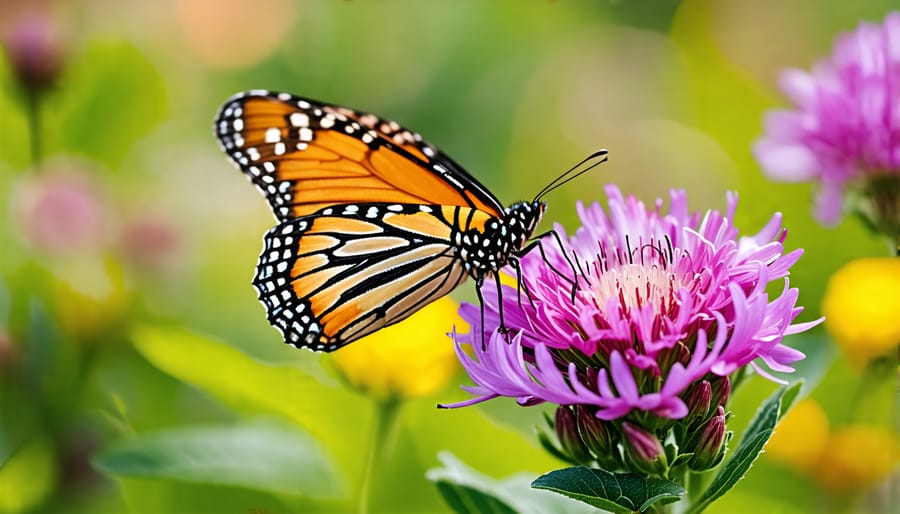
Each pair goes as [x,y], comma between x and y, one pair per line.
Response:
[599,157]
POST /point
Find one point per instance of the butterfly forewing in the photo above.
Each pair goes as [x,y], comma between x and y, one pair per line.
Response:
[305,155]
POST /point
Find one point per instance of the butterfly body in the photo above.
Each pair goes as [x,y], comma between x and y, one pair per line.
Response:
[374,222]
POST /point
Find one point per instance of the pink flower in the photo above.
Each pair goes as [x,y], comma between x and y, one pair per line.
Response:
[845,127]
[150,242]
[664,299]
[59,212]
[34,47]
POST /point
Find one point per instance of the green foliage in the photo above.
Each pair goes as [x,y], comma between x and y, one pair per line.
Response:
[469,500]
[27,475]
[470,492]
[328,413]
[615,492]
[752,443]
[257,455]
[112,96]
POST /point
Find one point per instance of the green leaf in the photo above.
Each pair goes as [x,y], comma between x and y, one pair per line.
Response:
[752,443]
[615,492]
[111,96]
[468,491]
[27,476]
[330,414]
[259,455]
[469,500]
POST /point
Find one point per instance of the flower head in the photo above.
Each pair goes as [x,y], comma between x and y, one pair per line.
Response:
[627,314]
[149,242]
[800,439]
[845,128]
[59,212]
[638,319]
[857,457]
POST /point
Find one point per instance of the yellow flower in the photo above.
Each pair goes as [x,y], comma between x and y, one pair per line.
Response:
[862,308]
[411,359]
[800,437]
[857,456]
[90,298]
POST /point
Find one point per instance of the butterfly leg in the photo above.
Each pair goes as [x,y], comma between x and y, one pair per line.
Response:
[502,329]
[520,281]
[537,243]
[480,294]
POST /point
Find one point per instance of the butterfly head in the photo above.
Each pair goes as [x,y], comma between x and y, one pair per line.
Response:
[521,218]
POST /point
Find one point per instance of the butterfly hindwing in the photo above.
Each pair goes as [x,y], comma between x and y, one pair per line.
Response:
[306,155]
[343,272]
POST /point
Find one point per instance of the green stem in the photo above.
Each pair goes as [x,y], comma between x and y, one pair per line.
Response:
[386,416]
[875,395]
[696,484]
[34,125]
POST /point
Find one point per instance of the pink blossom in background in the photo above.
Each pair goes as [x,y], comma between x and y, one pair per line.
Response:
[845,125]
[149,242]
[59,211]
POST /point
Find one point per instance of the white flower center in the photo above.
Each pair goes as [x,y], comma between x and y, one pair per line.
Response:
[636,285]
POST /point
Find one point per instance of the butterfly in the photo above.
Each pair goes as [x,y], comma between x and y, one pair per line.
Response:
[374,222]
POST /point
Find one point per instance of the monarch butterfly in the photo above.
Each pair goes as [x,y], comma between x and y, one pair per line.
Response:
[374,221]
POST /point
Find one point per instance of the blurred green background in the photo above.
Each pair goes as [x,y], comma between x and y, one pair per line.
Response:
[140,317]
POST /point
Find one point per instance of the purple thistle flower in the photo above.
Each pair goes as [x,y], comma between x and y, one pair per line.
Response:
[845,128]
[663,300]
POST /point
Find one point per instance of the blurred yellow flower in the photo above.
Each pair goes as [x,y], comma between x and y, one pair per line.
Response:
[90,298]
[800,438]
[411,359]
[856,457]
[862,308]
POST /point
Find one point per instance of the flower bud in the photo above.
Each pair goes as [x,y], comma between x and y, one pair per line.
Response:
[644,451]
[567,432]
[708,444]
[595,434]
[35,50]
[698,402]
[720,392]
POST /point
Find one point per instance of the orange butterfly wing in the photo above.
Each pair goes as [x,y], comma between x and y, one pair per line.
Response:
[306,155]
[368,214]
[331,278]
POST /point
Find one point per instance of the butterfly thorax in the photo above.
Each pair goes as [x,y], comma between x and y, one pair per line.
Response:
[486,249]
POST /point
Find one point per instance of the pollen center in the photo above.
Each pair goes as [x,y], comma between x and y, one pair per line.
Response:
[636,285]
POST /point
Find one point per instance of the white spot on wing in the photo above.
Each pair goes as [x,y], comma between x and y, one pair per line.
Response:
[299,119]
[273,135]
